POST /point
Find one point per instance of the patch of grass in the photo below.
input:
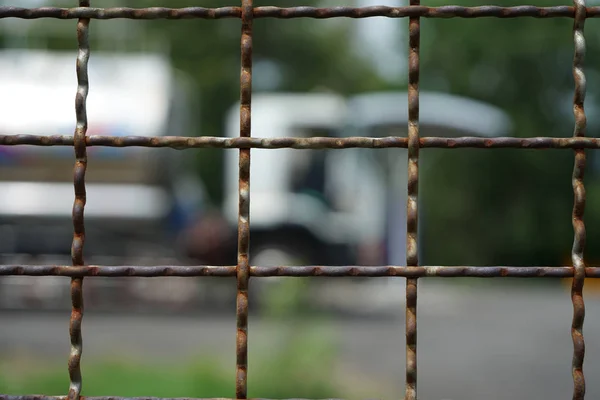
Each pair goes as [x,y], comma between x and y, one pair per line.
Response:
[274,380]
[107,378]
[302,367]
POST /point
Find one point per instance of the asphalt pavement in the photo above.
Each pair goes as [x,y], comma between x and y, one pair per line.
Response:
[475,342]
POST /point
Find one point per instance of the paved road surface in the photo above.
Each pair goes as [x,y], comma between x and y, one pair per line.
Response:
[488,343]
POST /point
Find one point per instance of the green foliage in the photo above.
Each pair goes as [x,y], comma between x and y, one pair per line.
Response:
[297,364]
[300,368]
[287,296]
[506,206]
[303,368]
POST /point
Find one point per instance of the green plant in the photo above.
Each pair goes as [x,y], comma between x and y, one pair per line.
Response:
[300,367]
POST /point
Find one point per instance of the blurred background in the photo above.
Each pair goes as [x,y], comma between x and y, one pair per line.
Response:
[312,338]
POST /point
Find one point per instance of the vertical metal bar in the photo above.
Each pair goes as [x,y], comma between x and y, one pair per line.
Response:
[79,204]
[412,258]
[243,269]
[579,204]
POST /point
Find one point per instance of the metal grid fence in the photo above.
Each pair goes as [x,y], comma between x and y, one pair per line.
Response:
[243,271]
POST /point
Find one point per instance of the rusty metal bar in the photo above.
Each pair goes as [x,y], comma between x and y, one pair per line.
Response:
[449,11]
[36,397]
[79,144]
[579,204]
[242,271]
[183,142]
[142,271]
[412,255]
[243,265]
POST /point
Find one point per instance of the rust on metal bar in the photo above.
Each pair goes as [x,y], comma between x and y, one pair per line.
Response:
[79,144]
[449,11]
[412,257]
[36,397]
[579,204]
[243,265]
[153,271]
[183,143]
[416,11]
[242,271]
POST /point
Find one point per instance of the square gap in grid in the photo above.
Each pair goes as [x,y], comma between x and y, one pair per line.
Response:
[326,356]
[124,354]
[522,65]
[209,57]
[304,54]
[498,341]
[496,207]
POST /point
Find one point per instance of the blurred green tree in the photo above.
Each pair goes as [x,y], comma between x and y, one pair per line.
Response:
[507,207]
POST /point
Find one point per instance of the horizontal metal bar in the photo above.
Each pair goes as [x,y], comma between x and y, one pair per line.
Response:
[41,397]
[295,12]
[183,142]
[295,271]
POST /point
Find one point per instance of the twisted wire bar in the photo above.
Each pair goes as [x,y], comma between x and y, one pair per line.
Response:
[79,205]
[243,265]
[449,11]
[140,271]
[35,397]
[579,205]
[185,142]
[412,257]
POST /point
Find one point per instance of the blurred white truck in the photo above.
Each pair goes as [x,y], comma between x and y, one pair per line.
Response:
[306,206]
[133,194]
[346,206]
[139,200]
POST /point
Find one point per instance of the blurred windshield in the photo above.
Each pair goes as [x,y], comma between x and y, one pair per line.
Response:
[310,172]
